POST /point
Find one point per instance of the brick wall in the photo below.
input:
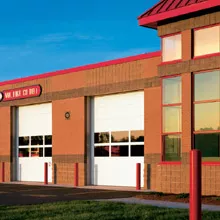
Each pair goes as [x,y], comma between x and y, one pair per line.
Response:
[189,23]
[68,140]
[5,140]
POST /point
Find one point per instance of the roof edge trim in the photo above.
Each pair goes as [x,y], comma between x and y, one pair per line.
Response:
[144,21]
[81,68]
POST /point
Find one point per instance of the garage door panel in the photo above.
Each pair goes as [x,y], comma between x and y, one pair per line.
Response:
[117,171]
[33,169]
[35,120]
[117,113]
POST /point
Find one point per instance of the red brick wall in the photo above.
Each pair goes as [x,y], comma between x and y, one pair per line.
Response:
[5,140]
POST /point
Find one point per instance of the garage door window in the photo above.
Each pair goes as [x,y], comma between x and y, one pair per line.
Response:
[37,152]
[121,144]
[48,140]
[101,151]
[23,152]
[102,137]
[119,136]
[24,141]
[35,146]
[37,140]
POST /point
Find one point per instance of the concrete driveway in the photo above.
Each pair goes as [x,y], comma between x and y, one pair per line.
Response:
[19,194]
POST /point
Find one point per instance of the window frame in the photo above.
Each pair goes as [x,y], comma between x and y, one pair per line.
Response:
[162,48]
[193,112]
[164,134]
[30,146]
[194,42]
[111,144]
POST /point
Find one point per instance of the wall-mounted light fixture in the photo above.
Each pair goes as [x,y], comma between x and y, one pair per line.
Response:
[67,115]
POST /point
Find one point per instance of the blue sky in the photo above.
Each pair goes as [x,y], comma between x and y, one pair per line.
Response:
[47,35]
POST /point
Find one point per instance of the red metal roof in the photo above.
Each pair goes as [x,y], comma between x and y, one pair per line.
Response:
[166,9]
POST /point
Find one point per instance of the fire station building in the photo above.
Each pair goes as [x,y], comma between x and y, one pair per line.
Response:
[151,109]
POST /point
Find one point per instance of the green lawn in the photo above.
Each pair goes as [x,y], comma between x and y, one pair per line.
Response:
[95,210]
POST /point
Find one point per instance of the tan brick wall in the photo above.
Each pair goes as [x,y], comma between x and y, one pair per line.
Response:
[189,23]
[190,66]
[172,178]
[64,173]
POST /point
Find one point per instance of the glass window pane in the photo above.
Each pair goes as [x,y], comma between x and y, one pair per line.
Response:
[207,116]
[23,152]
[137,136]
[48,140]
[101,151]
[208,144]
[207,86]
[119,136]
[207,41]
[172,147]
[172,119]
[23,141]
[36,152]
[119,151]
[48,152]
[172,90]
[172,48]
[137,150]
[37,140]
[102,137]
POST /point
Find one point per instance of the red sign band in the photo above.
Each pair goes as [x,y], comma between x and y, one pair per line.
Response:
[20,93]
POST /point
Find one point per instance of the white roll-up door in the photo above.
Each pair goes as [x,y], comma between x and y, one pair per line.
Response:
[118,139]
[34,142]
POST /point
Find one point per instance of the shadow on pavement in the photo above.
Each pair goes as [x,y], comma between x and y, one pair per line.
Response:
[18,194]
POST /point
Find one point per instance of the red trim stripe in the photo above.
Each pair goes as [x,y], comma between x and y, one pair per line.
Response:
[81,68]
[211,163]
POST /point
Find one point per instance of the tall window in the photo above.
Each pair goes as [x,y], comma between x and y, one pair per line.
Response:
[207,41]
[171,48]
[172,115]
[207,113]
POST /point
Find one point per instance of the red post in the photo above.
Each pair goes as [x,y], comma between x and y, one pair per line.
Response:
[195,185]
[3,172]
[138,176]
[76,174]
[45,173]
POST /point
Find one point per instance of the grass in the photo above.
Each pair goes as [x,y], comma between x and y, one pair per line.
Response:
[182,196]
[90,210]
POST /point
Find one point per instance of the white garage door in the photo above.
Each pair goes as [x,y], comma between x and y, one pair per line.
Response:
[34,142]
[118,139]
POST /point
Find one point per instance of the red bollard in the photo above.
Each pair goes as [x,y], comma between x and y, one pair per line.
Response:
[45,173]
[138,176]
[3,172]
[195,185]
[76,174]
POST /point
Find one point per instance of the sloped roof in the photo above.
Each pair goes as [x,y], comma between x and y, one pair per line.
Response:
[166,9]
